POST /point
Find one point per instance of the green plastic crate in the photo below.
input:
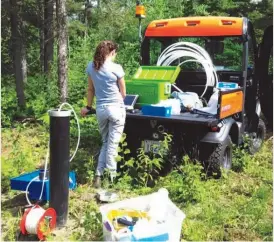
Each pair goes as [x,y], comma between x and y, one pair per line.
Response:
[157,73]
[150,92]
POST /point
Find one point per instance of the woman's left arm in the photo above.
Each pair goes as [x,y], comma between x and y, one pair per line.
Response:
[90,94]
[90,97]
[122,86]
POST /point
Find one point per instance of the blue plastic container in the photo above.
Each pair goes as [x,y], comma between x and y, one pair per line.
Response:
[131,238]
[162,237]
[21,182]
[156,111]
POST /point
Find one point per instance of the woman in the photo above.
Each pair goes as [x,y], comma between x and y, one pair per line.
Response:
[106,82]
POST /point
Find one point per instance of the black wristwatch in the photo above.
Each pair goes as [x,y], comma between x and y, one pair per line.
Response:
[88,108]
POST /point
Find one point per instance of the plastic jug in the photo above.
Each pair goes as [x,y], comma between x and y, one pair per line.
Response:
[174,104]
[158,206]
[213,101]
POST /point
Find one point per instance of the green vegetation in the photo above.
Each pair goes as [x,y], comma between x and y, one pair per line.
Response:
[114,20]
[238,206]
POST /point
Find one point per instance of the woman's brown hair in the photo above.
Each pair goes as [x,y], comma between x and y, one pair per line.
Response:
[102,51]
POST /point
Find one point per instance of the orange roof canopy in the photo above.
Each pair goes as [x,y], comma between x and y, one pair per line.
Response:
[195,26]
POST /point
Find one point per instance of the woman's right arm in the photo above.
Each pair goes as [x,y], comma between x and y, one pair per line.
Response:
[122,87]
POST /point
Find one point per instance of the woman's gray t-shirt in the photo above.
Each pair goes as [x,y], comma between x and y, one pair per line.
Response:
[105,82]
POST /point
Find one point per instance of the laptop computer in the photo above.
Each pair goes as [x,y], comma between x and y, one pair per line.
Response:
[130,101]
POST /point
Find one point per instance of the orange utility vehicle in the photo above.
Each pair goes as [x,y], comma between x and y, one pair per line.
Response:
[231,43]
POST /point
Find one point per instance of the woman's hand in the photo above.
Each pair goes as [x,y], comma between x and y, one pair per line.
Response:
[84,111]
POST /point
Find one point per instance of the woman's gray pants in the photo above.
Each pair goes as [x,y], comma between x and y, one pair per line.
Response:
[111,120]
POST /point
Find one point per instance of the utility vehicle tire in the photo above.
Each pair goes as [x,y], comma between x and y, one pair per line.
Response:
[257,139]
[265,78]
[220,157]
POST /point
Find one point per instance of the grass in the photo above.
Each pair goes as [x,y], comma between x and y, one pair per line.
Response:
[238,206]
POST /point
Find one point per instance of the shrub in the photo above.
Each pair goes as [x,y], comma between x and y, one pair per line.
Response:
[9,106]
[185,183]
[24,152]
[145,168]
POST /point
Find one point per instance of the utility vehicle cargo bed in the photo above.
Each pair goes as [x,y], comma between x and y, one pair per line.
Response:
[183,118]
[229,103]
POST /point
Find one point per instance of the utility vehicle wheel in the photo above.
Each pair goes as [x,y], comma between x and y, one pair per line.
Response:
[220,157]
[257,139]
[266,75]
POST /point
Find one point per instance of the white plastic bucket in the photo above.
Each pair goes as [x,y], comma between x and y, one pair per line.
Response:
[172,225]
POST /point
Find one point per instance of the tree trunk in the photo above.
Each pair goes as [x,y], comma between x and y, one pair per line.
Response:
[41,34]
[48,34]
[61,17]
[24,54]
[18,50]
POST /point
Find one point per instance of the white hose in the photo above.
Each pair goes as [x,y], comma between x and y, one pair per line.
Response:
[37,178]
[78,125]
[197,53]
[47,156]
[33,218]
[27,189]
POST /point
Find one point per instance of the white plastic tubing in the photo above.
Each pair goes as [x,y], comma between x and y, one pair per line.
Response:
[194,51]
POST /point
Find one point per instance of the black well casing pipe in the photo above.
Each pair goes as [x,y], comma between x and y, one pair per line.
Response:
[59,164]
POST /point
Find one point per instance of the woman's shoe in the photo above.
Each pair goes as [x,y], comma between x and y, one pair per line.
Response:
[97,182]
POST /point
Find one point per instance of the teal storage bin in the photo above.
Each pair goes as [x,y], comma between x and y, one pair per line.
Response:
[156,111]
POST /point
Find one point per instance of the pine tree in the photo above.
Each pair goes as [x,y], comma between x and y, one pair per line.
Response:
[18,50]
[61,17]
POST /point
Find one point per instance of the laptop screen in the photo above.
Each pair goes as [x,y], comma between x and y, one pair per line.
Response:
[130,100]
